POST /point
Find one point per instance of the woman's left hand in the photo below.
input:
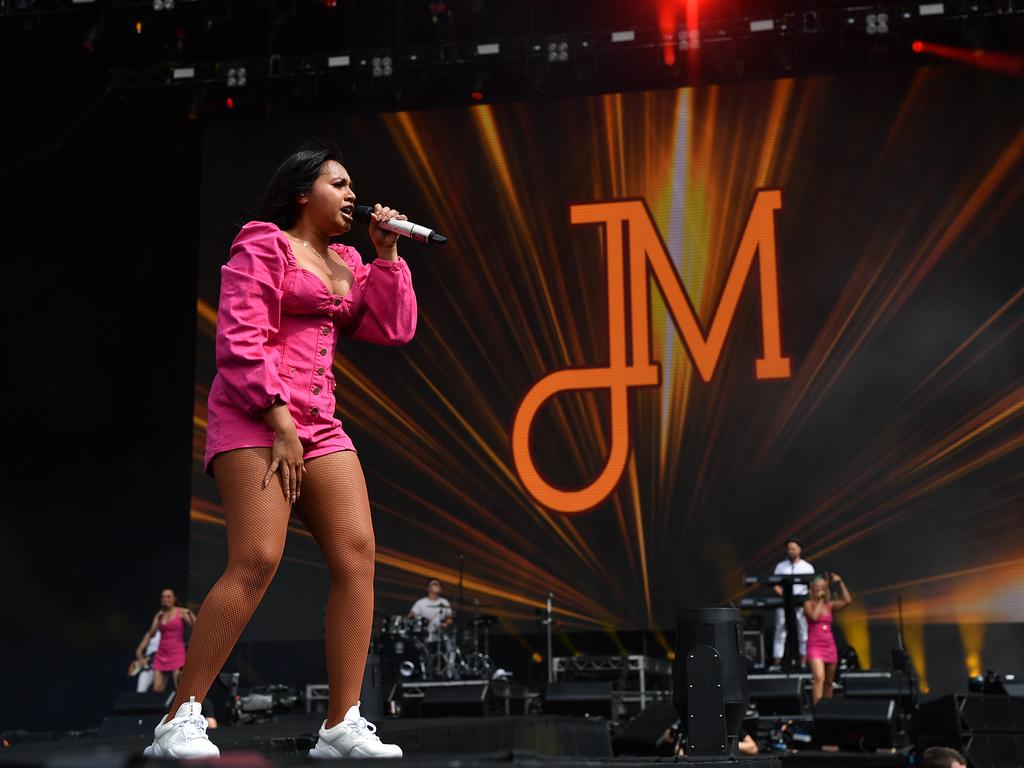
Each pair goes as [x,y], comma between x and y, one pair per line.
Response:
[836,578]
[385,242]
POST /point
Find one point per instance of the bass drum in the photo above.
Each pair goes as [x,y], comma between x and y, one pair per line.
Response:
[401,659]
[403,626]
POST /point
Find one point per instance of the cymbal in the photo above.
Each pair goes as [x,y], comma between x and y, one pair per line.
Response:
[484,620]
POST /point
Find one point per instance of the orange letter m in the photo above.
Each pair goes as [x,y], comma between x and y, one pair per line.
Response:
[647,248]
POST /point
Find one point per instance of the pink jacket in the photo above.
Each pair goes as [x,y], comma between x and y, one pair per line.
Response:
[277,326]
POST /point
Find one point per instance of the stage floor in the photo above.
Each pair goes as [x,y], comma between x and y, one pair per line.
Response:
[460,742]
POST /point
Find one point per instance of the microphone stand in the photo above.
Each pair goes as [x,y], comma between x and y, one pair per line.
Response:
[906,664]
[791,653]
[462,573]
[549,624]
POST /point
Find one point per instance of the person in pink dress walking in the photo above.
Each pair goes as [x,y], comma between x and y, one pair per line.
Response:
[170,622]
[288,294]
[822,654]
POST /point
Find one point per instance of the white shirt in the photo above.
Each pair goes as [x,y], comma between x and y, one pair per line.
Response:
[434,611]
[787,568]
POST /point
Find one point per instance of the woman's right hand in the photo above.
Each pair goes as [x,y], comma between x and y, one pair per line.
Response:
[286,457]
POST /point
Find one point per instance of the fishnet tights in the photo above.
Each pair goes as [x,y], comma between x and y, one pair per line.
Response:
[334,507]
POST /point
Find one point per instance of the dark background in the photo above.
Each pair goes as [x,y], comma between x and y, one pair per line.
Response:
[98,312]
[101,212]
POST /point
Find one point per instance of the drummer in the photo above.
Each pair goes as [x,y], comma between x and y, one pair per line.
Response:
[433,608]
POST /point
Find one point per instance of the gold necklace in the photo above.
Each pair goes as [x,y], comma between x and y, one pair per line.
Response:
[314,250]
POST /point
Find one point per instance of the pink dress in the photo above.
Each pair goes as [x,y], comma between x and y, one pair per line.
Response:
[170,654]
[277,326]
[820,642]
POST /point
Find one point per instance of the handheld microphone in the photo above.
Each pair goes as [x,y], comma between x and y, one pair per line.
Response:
[417,232]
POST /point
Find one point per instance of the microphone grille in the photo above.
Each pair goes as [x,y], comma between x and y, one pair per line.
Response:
[362,213]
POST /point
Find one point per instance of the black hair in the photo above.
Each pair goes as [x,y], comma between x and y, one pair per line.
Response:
[795,540]
[432,580]
[293,177]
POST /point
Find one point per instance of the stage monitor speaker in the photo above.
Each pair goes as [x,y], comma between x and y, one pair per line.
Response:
[136,714]
[880,685]
[586,699]
[776,694]
[444,699]
[876,685]
[865,724]
[131,702]
[643,735]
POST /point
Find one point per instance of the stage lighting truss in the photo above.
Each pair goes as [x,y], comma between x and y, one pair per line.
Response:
[623,47]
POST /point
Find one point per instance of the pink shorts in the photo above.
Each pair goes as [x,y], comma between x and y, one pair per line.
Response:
[228,428]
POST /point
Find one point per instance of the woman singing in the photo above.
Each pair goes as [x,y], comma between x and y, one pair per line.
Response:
[273,440]
[822,655]
[170,622]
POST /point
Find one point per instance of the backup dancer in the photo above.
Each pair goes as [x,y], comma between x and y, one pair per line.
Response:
[169,624]
[822,654]
[273,441]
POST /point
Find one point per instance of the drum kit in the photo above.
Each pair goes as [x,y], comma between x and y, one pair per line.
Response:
[412,650]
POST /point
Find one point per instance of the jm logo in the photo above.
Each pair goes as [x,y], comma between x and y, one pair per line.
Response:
[635,246]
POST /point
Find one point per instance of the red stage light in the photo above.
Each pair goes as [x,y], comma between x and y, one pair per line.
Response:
[229,103]
[477,96]
[667,27]
[1011,64]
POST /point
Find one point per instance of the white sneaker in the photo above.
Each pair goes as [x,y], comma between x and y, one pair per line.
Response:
[183,736]
[352,737]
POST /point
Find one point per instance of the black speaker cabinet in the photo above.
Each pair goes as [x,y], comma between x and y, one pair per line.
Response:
[150,702]
[136,714]
[722,630]
[776,694]
[861,724]
[593,699]
[443,698]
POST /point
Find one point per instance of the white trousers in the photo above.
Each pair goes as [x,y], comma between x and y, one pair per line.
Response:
[779,642]
[144,680]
